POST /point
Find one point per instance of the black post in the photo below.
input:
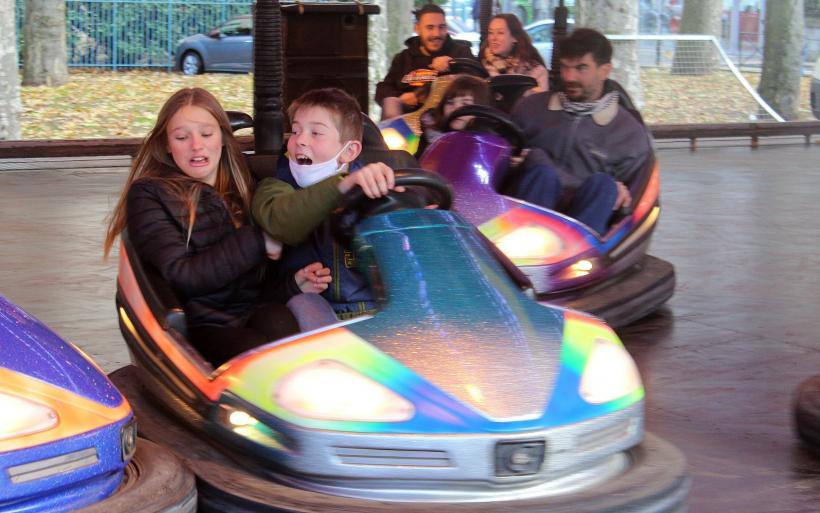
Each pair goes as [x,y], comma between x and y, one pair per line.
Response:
[268,119]
[486,12]
[559,32]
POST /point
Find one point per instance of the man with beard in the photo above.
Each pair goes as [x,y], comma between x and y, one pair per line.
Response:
[586,148]
[427,53]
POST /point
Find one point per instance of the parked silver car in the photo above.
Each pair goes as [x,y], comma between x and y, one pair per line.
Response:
[815,90]
[228,47]
[541,35]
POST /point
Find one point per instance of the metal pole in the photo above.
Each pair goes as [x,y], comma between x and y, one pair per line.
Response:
[559,32]
[484,20]
[268,119]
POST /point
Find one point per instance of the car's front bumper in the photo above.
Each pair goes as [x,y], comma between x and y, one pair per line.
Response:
[448,467]
[66,474]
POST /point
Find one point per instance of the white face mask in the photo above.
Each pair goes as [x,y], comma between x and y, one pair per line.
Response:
[309,174]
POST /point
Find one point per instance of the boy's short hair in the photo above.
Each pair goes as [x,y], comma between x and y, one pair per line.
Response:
[427,9]
[583,41]
[344,110]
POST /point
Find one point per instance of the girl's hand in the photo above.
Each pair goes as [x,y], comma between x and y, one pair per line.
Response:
[273,247]
[313,278]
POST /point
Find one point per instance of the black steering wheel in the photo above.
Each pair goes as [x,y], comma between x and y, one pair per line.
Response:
[239,120]
[467,66]
[489,119]
[422,188]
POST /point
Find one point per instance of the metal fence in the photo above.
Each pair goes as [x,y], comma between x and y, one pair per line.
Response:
[117,34]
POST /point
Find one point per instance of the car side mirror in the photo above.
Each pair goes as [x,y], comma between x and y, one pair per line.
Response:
[213,33]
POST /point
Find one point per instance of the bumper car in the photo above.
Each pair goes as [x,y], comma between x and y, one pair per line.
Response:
[566,262]
[68,438]
[460,392]
[807,412]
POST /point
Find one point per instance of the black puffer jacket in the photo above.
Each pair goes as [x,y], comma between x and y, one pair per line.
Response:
[412,58]
[218,273]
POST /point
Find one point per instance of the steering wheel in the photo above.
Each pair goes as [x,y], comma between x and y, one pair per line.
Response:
[467,67]
[491,120]
[423,188]
[239,120]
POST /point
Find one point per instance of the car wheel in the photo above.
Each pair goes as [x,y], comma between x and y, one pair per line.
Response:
[192,64]
[155,481]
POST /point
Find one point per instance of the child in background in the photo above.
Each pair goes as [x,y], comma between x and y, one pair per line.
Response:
[464,90]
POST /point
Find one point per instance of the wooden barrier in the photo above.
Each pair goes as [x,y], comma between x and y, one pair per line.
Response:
[48,148]
[40,148]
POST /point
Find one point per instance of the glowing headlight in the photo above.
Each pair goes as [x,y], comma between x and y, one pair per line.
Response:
[246,425]
[329,390]
[610,373]
[530,242]
[23,417]
[393,139]
[580,268]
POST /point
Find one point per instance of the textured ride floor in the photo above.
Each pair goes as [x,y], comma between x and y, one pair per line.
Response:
[720,362]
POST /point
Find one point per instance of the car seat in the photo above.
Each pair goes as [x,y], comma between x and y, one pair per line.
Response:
[374,149]
[162,302]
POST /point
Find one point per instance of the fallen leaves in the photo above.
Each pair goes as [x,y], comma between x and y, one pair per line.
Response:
[109,104]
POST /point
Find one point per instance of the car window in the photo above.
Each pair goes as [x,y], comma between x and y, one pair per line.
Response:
[542,34]
[236,28]
[245,27]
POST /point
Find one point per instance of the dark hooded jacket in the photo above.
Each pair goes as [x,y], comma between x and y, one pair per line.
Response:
[412,58]
[217,274]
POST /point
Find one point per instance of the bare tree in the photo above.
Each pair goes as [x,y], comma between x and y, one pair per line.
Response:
[44,55]
[695,57]
[9,80]
[387,32]
[616,17]
[780,81]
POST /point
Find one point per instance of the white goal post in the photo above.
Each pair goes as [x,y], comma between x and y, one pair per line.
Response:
[689,79]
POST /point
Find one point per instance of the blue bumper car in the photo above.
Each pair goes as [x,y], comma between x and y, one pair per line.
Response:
[68,438]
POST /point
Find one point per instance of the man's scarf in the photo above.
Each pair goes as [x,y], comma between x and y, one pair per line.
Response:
[587,108]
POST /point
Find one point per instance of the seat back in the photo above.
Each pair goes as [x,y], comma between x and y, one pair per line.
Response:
[507,89]
[374,149]
[163,303]
[161,299]
[623,98]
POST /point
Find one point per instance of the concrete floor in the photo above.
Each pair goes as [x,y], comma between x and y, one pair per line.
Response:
[720,361]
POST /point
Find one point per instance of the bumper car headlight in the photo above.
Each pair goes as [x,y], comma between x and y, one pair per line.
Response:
[580,268]
[609,374]
[23,417]
[530,242]
[329,390]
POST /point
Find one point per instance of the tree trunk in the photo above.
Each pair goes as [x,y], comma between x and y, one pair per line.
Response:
[10,107]
[780,81]
[387,32]
[540,10]
[45,56]
[697,57]
[616,17]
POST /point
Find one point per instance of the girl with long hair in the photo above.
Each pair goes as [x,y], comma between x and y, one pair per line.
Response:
[509,50]
[186,206]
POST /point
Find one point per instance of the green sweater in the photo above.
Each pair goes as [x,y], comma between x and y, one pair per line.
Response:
[289,215]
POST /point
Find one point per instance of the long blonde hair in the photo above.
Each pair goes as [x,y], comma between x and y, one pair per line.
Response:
[233,180]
